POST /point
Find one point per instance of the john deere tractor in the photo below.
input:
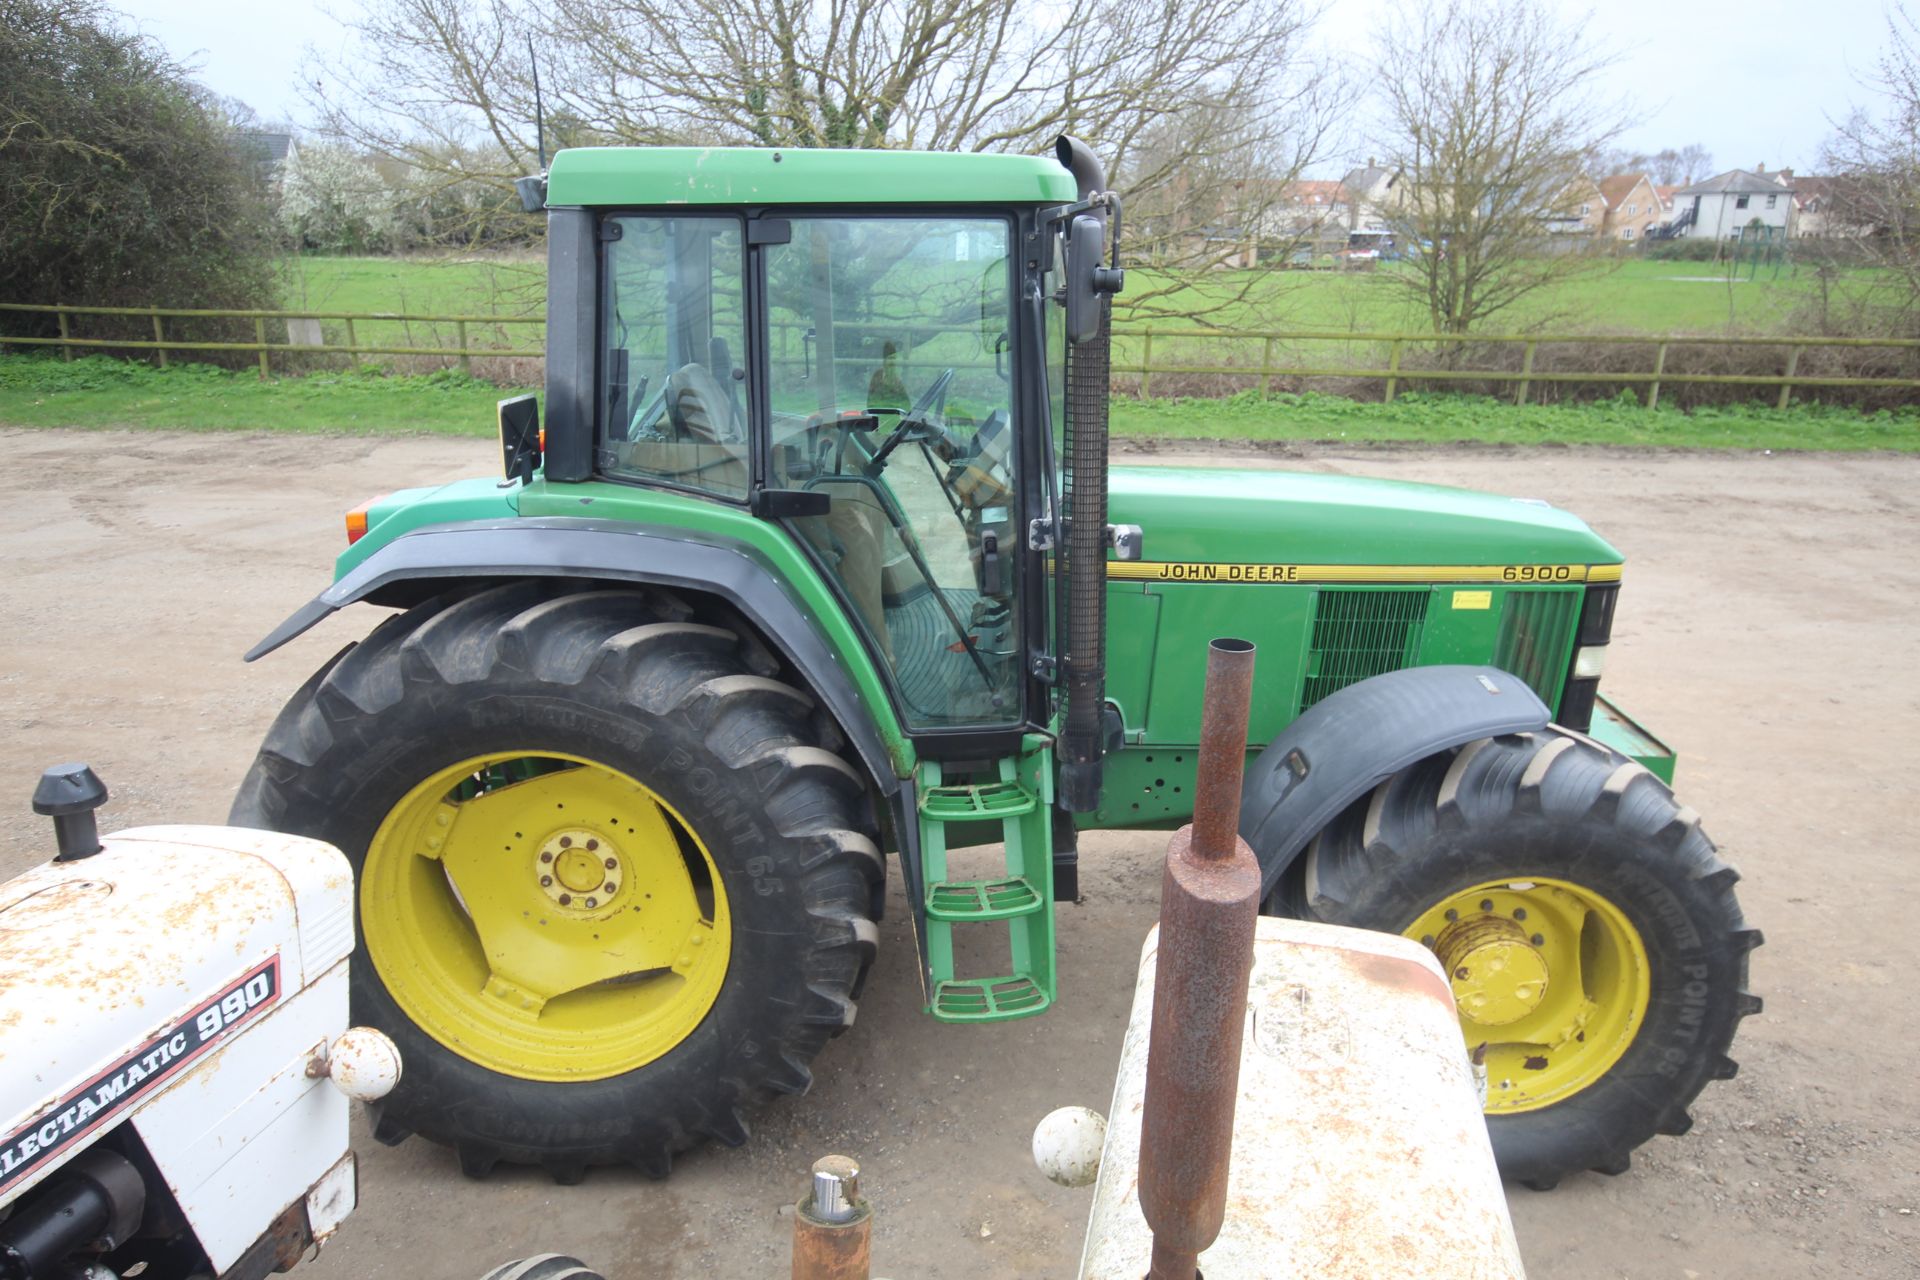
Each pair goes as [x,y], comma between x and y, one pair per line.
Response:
[818,558]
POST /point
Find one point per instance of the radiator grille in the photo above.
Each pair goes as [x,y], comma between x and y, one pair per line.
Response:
[1357,634]
[1535,627]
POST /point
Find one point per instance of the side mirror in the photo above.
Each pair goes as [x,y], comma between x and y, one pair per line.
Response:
[1086,278]
[519,436]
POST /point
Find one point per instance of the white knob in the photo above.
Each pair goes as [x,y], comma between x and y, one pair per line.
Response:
[362,1063]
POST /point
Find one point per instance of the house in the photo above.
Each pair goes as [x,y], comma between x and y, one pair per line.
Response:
[1581,211]
[1374,195]
[1734,205]
[1633,206]
[1829,207]
[1306,213]
[267,151]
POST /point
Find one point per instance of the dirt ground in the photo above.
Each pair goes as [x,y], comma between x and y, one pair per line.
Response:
[1766,630]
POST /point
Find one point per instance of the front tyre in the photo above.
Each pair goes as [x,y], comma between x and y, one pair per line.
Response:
[568,811]
[1589,931]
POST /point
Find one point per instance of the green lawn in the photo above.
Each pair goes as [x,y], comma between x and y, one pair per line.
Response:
[1634,296]
[1630,296]
[1437,419]
[100,392]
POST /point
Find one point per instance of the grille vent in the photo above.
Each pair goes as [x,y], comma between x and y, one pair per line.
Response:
[1535,627]
[1357,634]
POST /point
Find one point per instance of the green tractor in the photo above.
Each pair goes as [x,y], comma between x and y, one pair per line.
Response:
[818,556]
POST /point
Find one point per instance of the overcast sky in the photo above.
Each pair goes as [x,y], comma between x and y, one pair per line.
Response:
[1754,81]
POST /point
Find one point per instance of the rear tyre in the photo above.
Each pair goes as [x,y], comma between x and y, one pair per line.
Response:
[548,1266]
[1590,933]
[567,810]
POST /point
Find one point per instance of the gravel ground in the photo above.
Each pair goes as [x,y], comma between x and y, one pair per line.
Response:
[1765,630]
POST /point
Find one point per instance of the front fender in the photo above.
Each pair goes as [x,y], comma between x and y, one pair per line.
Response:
[1349,743]
[616,550]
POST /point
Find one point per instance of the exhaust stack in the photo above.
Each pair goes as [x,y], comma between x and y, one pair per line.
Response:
[1083,587]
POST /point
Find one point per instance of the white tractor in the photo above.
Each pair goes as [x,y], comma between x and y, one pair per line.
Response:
[175,1061]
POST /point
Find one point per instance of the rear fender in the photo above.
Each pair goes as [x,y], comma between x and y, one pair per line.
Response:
[1351,742]
[618,551]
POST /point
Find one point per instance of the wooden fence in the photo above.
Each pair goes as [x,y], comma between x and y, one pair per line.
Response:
[462,349]
[1134,352]
[1141,340]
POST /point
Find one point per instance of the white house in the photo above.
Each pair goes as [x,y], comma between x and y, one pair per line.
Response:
[1734,204]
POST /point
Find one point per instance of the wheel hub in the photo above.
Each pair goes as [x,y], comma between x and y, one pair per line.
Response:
[1498,976]
[579,869]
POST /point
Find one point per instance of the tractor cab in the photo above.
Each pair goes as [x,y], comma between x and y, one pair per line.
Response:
[884,380]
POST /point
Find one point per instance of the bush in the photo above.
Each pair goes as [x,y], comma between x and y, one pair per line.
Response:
[120,184]
[1692,249]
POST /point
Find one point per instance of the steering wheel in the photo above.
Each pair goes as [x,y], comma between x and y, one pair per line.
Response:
[922,416]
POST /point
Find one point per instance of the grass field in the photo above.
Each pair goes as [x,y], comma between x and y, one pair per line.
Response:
[1633,296]
[98,392]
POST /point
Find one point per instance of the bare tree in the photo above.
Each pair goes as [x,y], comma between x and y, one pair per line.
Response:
[1185,97]
[1874,156]
[1490,112]
[1690,164]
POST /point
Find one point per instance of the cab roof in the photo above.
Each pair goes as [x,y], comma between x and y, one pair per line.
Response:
[800,175]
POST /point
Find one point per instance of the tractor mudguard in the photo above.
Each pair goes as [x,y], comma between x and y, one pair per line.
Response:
[566,547]
[1347,744]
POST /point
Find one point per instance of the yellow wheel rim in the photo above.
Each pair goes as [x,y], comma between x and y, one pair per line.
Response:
[1551,977]
[545,916]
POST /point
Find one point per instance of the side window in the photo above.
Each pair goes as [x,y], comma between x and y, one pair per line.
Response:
[890,360]
[673,355]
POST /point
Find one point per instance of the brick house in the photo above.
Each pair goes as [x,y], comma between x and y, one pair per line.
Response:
[1633,206]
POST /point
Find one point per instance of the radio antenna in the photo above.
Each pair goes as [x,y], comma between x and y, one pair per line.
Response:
[539,114]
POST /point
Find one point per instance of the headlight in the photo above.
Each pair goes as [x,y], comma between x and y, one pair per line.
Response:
[1589,661]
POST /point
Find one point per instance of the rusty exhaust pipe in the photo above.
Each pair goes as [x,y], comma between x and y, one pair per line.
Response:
[1209,900]
[832,1225]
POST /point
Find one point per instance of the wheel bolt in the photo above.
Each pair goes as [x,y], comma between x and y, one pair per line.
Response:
[593,902]
[1486,904]
[1519,913]
[610,864]
[566,899]
[1426,940]
[1452,914]
[546,881]
[1538,940]
[592,845]
[546,857]
[566,842]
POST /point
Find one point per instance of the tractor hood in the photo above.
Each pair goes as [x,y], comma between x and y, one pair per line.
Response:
[1204,514]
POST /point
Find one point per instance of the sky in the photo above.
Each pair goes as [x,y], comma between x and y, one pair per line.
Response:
[1753,81]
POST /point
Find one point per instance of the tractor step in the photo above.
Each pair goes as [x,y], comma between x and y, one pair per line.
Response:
[989,999]
[990,802]
[984,899]
[1020,901]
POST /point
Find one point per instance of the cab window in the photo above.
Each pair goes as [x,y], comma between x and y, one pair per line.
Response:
[673,334]
[890,382]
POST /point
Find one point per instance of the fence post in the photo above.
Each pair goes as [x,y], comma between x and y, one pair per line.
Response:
[260,336]
[1393,369]
[1786,388]
[66,352]
[159,335]
[1659,367]
[1526,375]
[352,341]
[466,361]
[1146,365]
[1266,369]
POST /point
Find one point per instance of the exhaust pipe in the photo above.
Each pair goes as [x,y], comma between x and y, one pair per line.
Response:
[1083,587]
